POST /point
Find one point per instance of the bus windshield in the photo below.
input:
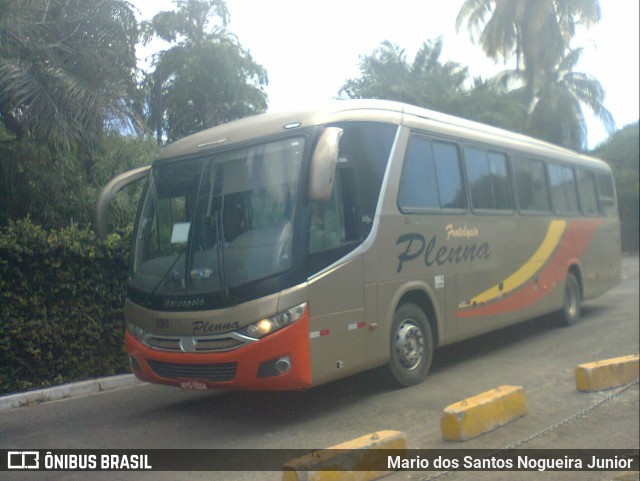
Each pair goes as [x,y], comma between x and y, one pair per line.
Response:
[218,222]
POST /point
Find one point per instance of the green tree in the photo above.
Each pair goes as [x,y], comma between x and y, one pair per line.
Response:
[557,114]
[68,91]
[622,152]
[489,102]
[427,82]
[67,70]
[539,34]
[53,191]
[206,77]
[387,74]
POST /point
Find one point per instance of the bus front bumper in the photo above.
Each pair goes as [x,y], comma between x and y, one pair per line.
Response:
[277,362]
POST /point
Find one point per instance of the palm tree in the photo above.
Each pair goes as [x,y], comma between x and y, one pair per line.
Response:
[427,82]
[384,75]
[557,114]
[499,35]
[538,32]
[67,69]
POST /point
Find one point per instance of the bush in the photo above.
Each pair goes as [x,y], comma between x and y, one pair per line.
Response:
[61,298]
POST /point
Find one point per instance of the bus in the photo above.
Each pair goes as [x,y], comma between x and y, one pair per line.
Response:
[287,250]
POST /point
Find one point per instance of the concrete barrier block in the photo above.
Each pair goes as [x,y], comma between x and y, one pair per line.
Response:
[479,414]
[360,459]
[599,375]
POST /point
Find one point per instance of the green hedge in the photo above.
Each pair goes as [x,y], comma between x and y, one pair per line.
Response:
[61,297]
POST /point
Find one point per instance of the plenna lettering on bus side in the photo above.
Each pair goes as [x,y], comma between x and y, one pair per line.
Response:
[416,246]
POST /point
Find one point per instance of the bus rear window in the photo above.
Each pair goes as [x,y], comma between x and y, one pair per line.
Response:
[587,191]
[606,196]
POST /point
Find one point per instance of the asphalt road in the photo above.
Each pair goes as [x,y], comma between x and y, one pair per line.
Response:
[537,355]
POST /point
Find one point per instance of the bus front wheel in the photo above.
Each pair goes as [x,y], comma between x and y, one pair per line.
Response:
[572,299]
[411,346]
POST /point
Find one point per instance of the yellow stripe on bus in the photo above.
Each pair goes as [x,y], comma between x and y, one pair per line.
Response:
[527,270]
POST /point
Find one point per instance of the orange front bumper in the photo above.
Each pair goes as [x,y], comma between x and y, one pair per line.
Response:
[192,370]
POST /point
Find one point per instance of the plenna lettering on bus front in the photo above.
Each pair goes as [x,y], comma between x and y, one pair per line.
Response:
[416,246]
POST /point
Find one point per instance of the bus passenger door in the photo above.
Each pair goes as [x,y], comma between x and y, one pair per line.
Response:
[336,282]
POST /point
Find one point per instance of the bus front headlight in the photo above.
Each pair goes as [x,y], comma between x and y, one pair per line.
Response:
[268,325]
[135,331]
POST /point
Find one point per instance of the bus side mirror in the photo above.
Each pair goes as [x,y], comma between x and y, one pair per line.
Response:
[109,191]
[323,164]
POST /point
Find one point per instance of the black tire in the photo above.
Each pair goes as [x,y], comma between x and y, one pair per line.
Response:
[411,343]
[570,313]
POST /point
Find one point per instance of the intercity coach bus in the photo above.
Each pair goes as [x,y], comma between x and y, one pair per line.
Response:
[286,250]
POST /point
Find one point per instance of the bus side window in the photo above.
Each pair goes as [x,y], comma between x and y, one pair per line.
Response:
[431,177]
[531,185]
[564,197]
[449,175]
[335,222]
[418,188]
[488,179]
[326,229]
[335,226]
[587,191]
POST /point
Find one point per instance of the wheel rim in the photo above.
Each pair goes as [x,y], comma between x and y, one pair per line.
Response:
[409,344]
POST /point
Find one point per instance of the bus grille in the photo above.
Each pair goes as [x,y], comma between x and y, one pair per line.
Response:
[201,344]
[204,372]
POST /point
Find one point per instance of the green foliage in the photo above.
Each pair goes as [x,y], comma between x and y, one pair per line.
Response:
[386,74]
[491,103]
[67,69]
[206,78]
[53,188]
[67,86]
[557,114]
[427,82]
[622,152]
[539,34]
[61,298]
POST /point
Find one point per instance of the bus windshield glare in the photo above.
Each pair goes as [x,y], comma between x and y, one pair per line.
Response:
[222,221]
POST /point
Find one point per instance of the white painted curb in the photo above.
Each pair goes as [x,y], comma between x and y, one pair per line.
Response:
[67,391]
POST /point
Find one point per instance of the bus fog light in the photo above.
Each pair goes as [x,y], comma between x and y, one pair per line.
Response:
[283,364]
[274,367]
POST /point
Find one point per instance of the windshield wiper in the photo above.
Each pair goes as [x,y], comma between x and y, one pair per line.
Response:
[224,288]
[173,274]
[219,220]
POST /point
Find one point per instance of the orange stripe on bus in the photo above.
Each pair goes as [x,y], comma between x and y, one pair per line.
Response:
[570,249]
[527,270]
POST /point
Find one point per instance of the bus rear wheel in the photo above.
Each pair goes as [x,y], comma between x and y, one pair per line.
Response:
[411,344]
[572,298]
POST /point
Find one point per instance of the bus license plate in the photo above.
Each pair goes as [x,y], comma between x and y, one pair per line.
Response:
[193,386]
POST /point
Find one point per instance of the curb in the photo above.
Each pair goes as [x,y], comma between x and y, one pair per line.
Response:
[65,391]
